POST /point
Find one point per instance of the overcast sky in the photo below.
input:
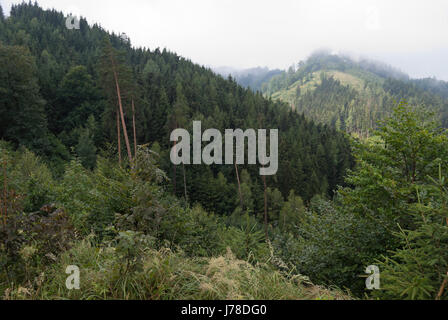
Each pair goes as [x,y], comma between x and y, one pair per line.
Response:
[409,34]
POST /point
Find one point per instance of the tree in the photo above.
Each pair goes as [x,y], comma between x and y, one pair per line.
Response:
[2,16]
[178,119]
[405,151]
[22,112]
[134,130]
[393,189]
[292,213]
[151,78]
[115,77]
[78,99]
[86,149]
[275,203]
[412,158]
[418,269]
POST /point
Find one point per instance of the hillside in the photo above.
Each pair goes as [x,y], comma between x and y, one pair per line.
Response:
[75,184]
[353,95]
[168,89]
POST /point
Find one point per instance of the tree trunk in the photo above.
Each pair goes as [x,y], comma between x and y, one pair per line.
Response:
[133,125]
[442,288]
[239,185]
[123,123]
[265,209]
[174,171]
[119,138]
[260,122]
[185,183]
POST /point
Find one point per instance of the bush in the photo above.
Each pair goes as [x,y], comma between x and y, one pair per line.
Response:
[332,247]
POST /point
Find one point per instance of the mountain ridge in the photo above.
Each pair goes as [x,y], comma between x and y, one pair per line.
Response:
[357,94]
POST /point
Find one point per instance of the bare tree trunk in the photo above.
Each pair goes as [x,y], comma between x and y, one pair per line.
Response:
[265,209]
[133,125]
[239,185]
[442,288]
[119,137]
[174,173]
[185,183]
[260,122]
[123,123]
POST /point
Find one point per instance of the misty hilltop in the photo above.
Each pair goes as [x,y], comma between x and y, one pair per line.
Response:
[352,94]
[250,78]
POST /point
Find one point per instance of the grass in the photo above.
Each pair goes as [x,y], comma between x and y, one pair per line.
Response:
[166,275]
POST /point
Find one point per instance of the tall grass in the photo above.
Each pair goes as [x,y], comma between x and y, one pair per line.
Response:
[165,275]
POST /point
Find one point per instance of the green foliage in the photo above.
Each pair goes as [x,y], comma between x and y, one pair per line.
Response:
[29,177]
[86,149]
[408,148]
[29,241]
[246,241]
[135,223]
[418,268]
[332,247]
[74,82]
[22,113]
[292,213]
[78,100]
[392,214]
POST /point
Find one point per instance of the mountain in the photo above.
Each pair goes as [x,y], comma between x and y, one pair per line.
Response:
[250,78]
[353,95]
[75,110]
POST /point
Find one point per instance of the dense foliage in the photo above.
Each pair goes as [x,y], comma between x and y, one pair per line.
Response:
[68,77]
[130,238]
[394,215]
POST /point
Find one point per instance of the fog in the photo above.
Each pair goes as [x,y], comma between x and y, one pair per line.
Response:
[410,35]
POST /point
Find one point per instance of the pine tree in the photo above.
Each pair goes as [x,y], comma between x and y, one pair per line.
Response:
[116,80]
[178,119]
[22,112]
[86,149]
[2,16]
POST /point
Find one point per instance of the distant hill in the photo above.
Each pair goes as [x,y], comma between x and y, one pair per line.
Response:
[353,95]
[250,78]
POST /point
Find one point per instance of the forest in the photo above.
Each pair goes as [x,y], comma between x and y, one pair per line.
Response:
[86,177]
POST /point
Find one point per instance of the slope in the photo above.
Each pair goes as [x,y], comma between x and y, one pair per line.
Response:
[352,95]
[169,91]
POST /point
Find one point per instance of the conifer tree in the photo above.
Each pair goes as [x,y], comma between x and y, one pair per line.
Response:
[116,76]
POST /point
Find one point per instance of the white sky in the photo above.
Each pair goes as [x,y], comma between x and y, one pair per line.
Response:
[409,34]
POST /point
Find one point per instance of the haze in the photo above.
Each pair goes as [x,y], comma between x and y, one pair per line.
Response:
[410,35]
